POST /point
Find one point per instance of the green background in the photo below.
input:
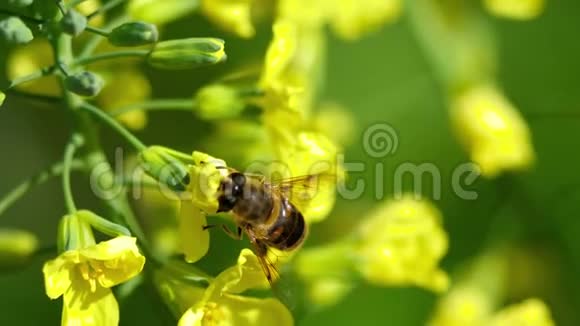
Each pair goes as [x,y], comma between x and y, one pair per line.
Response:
[384,77]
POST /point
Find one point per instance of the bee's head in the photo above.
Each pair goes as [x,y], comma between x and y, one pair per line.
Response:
[231,190]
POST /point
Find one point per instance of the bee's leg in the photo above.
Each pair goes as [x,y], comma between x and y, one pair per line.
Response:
[235,236]
[208,226]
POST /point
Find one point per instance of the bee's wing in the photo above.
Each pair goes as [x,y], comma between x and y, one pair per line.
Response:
[307,192]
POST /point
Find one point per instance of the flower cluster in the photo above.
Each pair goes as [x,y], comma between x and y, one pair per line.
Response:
[400,243]
[84,273]
[473,300]
[223,302]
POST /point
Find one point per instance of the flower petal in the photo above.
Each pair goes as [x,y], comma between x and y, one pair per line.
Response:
[117,260]
[57,276]
[492,130]
[194,240]
[532,312]
[82,307]
[233,16]
[239,311]
[246,274]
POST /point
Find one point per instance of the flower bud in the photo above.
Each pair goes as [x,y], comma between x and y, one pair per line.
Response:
[218,102]
[163,167]
[515,9]
[84,83]
[187,53]
[16,246]
[13,30]
[134,34]
[73,22]
[2,98]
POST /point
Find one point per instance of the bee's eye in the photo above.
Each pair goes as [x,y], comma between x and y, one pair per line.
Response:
[238,179]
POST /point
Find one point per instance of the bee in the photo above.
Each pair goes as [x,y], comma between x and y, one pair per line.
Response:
[265,212]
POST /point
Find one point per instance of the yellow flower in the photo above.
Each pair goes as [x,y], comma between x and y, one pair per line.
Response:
[478,291]
[328,291]
[84,277]
[330,115]
[303,152]
[27,59]
[402,243]
[515,9]
[463,306]
[492,130]
[289,79]
[231,15]
[305,13]
[193,238]
[87,7]
[16,246]
[470,306]
[279,54]
[399,244]
[125,86]
[205,177]
[160,11]
[221,303]
[532,312]
[293,67]
[352,18]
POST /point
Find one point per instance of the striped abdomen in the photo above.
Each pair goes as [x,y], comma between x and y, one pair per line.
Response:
[289,227]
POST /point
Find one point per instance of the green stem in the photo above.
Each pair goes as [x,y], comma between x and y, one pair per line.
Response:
[108,120]
[97,31]
[20,190]
[185,104]
[118,204]
[32,76]
[74,143]
[111,55]
[148,183]
[104,8]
